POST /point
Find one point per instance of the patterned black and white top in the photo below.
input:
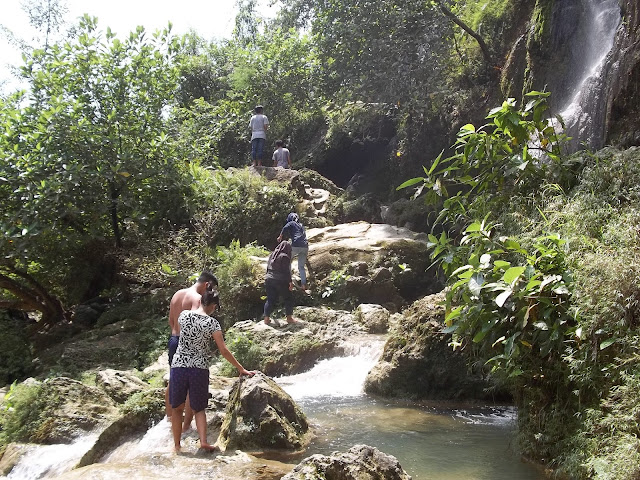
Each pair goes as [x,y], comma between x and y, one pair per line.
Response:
[194,346]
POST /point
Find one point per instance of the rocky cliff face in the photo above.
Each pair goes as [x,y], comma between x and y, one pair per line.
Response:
[587,53]
[623,113]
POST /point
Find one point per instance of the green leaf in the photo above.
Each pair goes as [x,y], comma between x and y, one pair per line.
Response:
[512,274]
[608,343]
[411,182]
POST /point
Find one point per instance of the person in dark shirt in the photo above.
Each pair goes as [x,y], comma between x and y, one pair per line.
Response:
[294,230]
[278,283]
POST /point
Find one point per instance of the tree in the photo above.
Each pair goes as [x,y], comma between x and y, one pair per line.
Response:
[83,152]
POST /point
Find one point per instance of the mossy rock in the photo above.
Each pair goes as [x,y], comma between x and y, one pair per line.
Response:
[417,361]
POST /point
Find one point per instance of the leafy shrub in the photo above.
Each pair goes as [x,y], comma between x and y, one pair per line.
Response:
[241,206]
[245,350]
[240,281]
[24,412]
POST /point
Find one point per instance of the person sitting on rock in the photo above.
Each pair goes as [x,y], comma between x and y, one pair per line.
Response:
[294,230]
[278,282]
[281,157]
[190,366]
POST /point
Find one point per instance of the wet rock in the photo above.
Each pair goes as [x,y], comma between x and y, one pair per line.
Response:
[138,415]
[375,318]
[418,362]
[70,409]
[260,415]
[360,462]
[118,384]
[289,349]
[12,455]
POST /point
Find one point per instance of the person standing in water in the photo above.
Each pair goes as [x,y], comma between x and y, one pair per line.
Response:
[277,282]
[294,230]
[190,366]
[259,124]
[185,299]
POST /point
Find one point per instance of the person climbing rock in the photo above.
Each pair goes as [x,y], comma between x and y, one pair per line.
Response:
[294,230]
[190,366]
[278,282]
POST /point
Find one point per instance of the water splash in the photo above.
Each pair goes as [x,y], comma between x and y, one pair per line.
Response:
[49,461]
[336,377]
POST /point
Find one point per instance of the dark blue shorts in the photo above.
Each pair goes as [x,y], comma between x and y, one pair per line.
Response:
[173,346]
[195,382]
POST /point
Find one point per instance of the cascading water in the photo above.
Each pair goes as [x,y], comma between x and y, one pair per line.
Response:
[435,443]
[593,25]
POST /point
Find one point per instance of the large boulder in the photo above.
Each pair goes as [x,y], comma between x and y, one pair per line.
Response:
[375,318]
[260,415]
[418,362]
[118,384]
[67,409]
[396,261]
[361,462]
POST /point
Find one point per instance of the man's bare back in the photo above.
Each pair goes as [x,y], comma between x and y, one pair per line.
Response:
[185,299]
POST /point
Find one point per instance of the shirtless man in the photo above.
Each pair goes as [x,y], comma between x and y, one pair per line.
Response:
[185,299]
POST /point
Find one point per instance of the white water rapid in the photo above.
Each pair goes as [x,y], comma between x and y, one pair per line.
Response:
[339,376]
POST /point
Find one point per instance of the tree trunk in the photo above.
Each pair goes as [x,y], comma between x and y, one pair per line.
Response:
[30,295]
[483,46]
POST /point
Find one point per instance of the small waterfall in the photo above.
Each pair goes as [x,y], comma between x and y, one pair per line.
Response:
[338,376]
[49,461]
[584,106]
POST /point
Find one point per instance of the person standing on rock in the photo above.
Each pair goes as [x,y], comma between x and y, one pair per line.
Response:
[190,366]
[185,299]
[281,157]
[294,230]
[278,282]
[259,124]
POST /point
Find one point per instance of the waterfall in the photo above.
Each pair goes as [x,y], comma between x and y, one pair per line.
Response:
[49,461]
[338,376]
[583,100]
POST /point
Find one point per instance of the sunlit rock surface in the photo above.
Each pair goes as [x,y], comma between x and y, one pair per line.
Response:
[361,462]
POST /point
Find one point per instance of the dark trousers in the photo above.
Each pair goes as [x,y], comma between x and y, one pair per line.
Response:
[275,289]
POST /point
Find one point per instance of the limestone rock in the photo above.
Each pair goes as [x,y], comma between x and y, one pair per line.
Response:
[71,409]
[260,415]
[397,260]
[418,362]
[283,176]
[118,384]
[375,318]
[360,462]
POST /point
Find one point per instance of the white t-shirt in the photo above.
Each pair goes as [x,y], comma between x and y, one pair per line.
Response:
[194,346]
[258,125]
[281,157]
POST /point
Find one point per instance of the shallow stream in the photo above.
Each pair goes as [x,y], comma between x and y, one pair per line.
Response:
[430,442]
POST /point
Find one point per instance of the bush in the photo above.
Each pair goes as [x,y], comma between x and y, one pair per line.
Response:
[247,352]
[240,281]
[241,206]
[24,413]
